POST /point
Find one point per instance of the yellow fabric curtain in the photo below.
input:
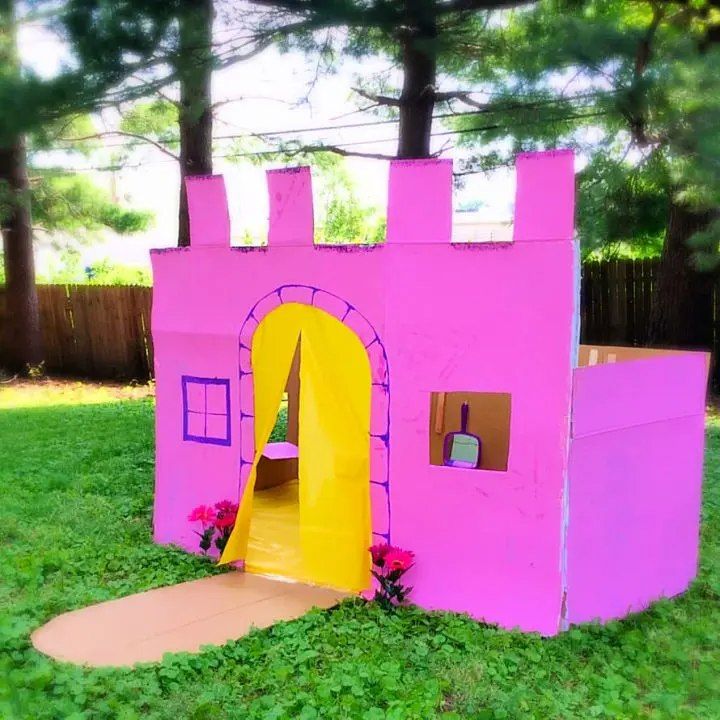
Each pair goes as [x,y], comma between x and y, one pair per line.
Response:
[272,353]
[334,423]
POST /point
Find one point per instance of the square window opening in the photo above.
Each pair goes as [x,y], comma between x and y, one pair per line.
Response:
[470,430]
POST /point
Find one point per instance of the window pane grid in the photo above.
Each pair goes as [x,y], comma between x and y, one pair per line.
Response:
[202,423]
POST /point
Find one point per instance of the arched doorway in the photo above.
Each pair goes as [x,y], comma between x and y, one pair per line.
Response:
[340,313]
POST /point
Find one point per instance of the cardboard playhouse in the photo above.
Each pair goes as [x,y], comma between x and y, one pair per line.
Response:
[438,399]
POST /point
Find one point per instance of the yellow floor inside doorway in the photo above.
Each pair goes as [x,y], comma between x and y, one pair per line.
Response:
[274,544]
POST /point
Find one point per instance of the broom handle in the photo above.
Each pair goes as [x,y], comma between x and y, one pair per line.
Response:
[440,413]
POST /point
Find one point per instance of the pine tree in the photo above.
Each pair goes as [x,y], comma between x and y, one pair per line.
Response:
[135,49]
[23,337]
[415,34]
[33,110]
[636,87]
[167,44]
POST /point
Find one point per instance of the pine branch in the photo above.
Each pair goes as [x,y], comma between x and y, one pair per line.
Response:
[335,149]
[457,6]
[232,58]
[637,123]
[123,133]
[378,99]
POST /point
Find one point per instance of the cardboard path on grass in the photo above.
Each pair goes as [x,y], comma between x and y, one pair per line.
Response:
[180,618]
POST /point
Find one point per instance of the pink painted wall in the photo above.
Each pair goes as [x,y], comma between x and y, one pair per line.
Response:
[201,297]
[474,318]
[636,460]
[488,543]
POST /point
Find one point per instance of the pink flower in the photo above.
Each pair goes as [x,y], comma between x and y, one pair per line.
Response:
[226,507]
[397,559]
[202,513]
[378,553]
[226,514]
[225,521]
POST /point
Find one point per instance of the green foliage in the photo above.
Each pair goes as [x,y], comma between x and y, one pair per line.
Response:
[157,118]
[279,432]
[73,204]
[67,268]
[59,132]
[341,216]
[346,221]
[109,41]
[103,272]
[622,208]
[633,86]
[75,528]
[106,272]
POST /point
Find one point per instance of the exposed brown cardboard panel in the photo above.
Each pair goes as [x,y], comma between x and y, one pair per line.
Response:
[293,394]
[181,618]
[271,473]
[600,354]
[489,420]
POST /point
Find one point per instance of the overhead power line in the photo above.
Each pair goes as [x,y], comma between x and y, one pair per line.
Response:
[301,150]
[346,126]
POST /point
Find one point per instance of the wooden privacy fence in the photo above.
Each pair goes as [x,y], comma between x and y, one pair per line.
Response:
[616,298]
[615,302]
[104,332]
[94,331]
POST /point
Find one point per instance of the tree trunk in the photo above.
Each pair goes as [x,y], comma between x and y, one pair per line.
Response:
[417,99]
[681,314]
[194,64]
[23,341]
[23,338]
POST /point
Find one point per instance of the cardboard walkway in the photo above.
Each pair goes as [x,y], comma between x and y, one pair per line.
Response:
[180,618]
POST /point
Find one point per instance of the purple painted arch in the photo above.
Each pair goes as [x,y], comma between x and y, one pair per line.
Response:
[352,318]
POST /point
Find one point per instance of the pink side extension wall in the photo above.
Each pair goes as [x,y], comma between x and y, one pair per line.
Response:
[636,461]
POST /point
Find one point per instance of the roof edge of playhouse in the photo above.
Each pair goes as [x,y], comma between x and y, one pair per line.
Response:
[419,206]
[476,246]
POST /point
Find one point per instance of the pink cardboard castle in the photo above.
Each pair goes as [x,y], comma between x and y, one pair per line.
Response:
[585,502]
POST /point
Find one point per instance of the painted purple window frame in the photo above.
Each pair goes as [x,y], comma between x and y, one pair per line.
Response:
[204,381]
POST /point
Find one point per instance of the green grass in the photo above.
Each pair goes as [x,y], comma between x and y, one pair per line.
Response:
[75,529]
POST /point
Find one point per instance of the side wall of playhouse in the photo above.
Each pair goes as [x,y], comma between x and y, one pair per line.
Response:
[435,318]
[636,462]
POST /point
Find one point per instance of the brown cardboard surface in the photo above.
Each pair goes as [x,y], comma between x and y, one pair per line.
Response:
[179,618]
[489,420]
[274,472]
[600,354]
[271,473]
[293,395]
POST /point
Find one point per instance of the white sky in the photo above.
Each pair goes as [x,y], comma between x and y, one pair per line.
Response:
[265,90]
